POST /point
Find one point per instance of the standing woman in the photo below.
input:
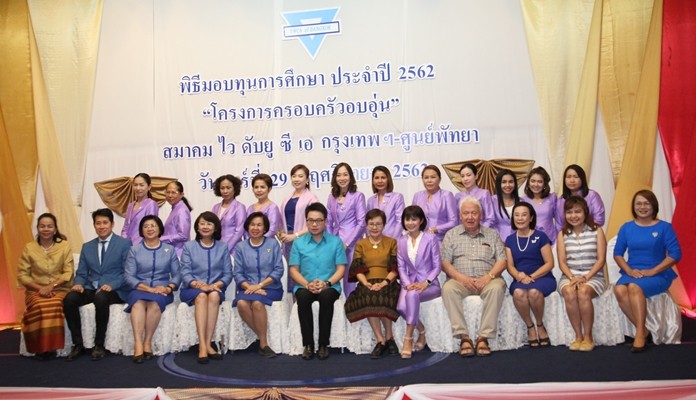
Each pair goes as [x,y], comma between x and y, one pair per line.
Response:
[439,205]
[418,257]
[142,206]
[46,271]
[258,270]
[231,212]
[293,212]
[262,185]
[385,199]
[529,262]
[206,271]
[346,217]
[177,229]
[582,253]
[575,183]
[468,173]
[375,296]
[505,198]
[653,250]
[537,192]
[152,274]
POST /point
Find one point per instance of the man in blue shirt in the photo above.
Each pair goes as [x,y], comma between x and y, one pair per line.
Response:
[317,264]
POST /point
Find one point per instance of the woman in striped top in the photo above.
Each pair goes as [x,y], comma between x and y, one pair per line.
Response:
[582,249]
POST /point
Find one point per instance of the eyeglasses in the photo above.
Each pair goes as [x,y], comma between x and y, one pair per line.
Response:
[375,224]
[315,221]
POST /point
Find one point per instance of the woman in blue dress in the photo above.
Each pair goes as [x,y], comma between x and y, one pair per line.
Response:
[653,250]
[529,262]
[152,274]
[206,271]
[258,269]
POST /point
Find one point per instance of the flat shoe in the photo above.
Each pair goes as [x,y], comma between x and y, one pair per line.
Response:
[215,356]
[267,352]
[203,360]
[148,355]
[586,346]
[575,345]
[138,359]
[641,349]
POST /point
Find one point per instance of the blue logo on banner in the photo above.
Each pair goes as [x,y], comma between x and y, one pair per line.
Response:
[310,27]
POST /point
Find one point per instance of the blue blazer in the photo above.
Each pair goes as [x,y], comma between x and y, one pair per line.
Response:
[110,272]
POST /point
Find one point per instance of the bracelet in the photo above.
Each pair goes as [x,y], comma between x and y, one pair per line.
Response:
[328,283]
[297,236]
[491,275]
[428,282]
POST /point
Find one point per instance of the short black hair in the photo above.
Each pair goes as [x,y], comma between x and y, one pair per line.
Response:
[532,214]
[236,184]
[414,212]
[208,216]
[102,212]
[152,217]
[317,206]
[257,214]
[374,213]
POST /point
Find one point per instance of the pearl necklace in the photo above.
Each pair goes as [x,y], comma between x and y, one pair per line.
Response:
[46,249]
[529,238]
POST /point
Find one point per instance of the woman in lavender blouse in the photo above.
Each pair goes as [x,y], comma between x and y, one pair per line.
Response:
[385,199]
[262,185]
[232,213]
[418,259]
[346,218]
[177,229]
[468,173]
[506,197]
[142,206]
[293,212]
[537,190]
[575,183]
[439,205]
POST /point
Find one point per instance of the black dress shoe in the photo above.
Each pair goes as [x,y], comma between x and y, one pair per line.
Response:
[202,360]
[323,352]
[97,353]
[147,355]
[76,352]
[138,359]
[267,352]
[378,351]
[392,348]
[308,352]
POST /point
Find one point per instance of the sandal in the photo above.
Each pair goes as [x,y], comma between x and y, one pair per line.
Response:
[544,342]
[466,348]
[406,354]
[533,343]
[418,346]
[482,349]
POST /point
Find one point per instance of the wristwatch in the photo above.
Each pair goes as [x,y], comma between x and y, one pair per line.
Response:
[328,283]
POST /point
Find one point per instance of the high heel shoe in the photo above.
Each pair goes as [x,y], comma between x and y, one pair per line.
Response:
[533,343]
[418,346]
[138,359]
[543,341]
[147,355]
[404,353]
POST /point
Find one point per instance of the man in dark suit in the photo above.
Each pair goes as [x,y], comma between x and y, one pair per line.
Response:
[99,280]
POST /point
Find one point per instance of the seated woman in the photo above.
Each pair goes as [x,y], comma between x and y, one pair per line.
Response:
[206,271]
[152,274]
[418,257]
[45,270]
[375,296]
[530,262]
[258,269]
[653,250]
[582,252]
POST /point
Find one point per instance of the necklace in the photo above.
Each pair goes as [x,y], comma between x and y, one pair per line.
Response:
[251,242]
[374,244]
[46,249]
[529,238]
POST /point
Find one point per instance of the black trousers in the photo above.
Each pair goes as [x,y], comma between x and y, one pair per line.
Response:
[102,300]
[326,299]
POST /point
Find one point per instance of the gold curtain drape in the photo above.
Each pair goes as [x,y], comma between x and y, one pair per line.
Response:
[487,171]
[116,193]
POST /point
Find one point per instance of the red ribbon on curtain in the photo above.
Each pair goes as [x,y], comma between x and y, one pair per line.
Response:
[677,123]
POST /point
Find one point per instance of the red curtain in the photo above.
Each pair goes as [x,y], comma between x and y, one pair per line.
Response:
[677,123]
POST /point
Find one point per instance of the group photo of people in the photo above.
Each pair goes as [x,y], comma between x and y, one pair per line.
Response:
[383,258]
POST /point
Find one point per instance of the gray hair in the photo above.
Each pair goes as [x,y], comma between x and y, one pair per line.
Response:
[470,200]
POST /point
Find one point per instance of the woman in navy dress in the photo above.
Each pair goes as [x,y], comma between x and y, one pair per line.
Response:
[529,262]
[346,218]
[177,228]
[653,250]
[387,200]
[152,273]
[258,269]
[142,205]
[206,271]
[438,204]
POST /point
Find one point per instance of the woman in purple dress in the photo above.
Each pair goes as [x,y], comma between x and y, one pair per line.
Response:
[262,185]
[529,262]
[292,211]
[505,198]
[575,183]
[177,229]
[468,173]
[418,258]
[537,192]
[142,206]
[232,213]
[385,199]
[439,205]
[346,218]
